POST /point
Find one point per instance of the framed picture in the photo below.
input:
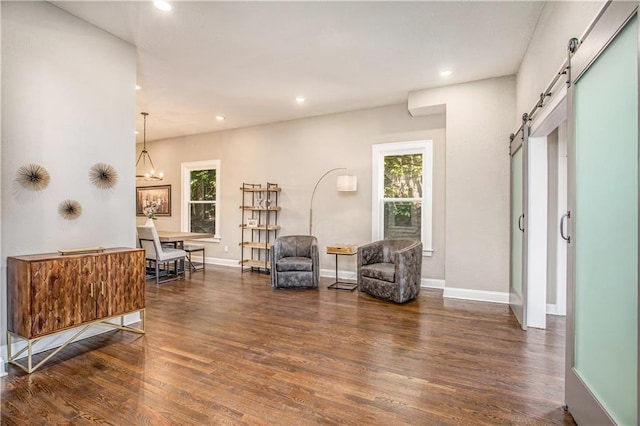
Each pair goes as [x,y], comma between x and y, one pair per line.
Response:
[156,198]
[252,223]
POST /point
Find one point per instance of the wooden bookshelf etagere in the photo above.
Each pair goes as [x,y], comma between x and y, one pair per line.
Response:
[259,225]
[51,293]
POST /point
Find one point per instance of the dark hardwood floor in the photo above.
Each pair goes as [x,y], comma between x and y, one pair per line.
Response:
[225,348]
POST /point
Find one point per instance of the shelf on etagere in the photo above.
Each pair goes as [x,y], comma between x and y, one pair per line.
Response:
[265,189]
[261,209]
[255,263]
[256,245]
[261,227]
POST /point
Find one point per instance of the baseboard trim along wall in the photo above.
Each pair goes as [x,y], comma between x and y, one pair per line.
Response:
[342,275]
[478,295]
[219,261]
[552,309]
[432,283]
[452,293]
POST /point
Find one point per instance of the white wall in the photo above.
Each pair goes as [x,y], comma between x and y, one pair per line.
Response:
[68,102]
[537,233]
[479,120]
[547,50]
[295,154]
[552,216]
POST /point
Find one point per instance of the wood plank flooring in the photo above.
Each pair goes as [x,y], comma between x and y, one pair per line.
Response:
[224,348]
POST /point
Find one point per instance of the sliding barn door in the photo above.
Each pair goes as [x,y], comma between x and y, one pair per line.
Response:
[602,322]
[518,227]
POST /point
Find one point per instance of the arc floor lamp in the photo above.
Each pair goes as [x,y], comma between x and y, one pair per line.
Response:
[344,183]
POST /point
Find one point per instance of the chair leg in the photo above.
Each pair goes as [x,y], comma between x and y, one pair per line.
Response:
[178,270]
[188,257]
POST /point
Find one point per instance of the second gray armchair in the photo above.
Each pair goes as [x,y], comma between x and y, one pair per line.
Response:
[295,262]
[390,269]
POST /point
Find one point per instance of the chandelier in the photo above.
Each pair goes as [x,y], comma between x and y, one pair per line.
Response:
[147,174]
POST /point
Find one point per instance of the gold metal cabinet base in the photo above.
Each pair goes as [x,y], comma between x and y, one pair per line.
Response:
[30,368]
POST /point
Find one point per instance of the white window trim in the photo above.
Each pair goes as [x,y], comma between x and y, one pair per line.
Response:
[424,147]
[187,168]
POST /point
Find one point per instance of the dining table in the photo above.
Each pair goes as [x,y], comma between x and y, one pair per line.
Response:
[177,239]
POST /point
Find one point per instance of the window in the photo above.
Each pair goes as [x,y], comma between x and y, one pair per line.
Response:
[200,189]
[402,192]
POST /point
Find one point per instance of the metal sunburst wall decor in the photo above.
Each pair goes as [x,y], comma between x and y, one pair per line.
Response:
[70,209]
[33,177]
[103,175]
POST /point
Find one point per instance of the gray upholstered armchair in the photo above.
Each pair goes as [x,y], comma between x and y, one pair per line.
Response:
[295,262]
[390,269]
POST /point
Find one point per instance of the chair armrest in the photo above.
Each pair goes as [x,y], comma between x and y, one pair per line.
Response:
[315,260]
[370,253]
[273,272]
[275,252]
[408,264]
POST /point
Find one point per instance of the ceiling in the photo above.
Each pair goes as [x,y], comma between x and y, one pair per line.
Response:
[248,61]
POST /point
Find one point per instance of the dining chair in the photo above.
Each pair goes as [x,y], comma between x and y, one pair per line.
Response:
[190,249]
[157,255]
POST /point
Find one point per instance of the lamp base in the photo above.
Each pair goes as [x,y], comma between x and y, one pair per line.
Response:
[339,285]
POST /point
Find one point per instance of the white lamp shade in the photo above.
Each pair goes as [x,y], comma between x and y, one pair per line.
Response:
[347,183]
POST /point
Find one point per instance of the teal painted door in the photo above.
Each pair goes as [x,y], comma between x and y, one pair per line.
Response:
[517,279]
[602,345]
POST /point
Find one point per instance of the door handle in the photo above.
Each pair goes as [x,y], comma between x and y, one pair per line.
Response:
[102,287]
[91,290]
[565,216]
[520,224]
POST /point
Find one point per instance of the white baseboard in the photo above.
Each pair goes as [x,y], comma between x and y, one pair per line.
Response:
[479,295]
[342,275]
[432,283]
[554,309]
[453,293]
[222,262]
[54,341]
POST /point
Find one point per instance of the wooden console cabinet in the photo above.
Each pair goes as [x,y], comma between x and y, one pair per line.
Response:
[50,293]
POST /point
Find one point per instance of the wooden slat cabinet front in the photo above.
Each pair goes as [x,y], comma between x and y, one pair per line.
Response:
[49,293]
[122,284]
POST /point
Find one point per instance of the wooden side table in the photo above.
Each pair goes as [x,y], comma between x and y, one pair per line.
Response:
[342,250]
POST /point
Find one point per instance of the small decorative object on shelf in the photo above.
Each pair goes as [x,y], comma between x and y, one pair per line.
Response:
[103,175]
[33,177]
[259,225]
[70,209]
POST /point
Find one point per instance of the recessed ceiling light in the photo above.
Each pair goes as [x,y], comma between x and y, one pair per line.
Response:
[300,99]
[219,118]
[446,73]
[162,5]
[138,87]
